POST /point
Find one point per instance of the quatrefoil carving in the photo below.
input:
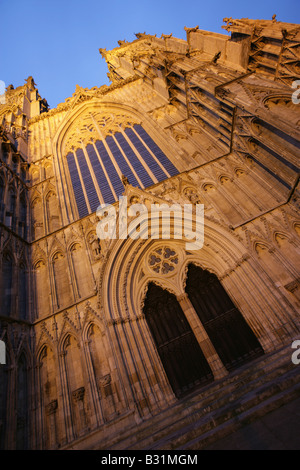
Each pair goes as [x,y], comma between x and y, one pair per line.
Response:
[163,260]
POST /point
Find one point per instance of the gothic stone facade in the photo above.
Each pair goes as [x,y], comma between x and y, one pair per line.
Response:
[87,323]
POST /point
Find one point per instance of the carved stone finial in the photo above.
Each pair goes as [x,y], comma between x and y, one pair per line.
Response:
[191,30]
[166,36]
[122,43]
[140,35]
[125,180]
[103,52]
[30,82]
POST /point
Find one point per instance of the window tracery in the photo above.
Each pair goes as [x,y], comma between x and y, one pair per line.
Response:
[103,148]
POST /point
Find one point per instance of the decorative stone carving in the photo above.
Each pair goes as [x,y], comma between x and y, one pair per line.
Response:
[105,380]
[78,395]
[192,196]
[163,260]
[95,125]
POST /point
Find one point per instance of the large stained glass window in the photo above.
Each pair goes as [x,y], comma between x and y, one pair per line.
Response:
[96,169]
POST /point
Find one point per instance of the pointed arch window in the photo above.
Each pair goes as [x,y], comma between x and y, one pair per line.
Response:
[180,353]
[229,332]
[96,169]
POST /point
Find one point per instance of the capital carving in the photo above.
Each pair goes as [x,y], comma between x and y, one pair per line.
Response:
[78,395]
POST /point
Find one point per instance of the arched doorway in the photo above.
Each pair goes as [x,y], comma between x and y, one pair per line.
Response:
[180,353]
[229,332]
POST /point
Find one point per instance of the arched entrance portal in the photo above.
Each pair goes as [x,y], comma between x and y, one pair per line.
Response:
[230,334]
[180,353]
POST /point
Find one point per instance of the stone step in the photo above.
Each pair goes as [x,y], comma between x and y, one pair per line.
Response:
[228,419]
[243,419]
[212,400]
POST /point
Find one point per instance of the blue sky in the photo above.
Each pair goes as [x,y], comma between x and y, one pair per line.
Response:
[58,41]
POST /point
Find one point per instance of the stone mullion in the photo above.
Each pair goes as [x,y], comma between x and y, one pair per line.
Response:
[82,183]
[128,162]
[103,139]
[112,157]
[153,155]
[69,204]
[105,172]
[98,190]
[202,337]
[141,160]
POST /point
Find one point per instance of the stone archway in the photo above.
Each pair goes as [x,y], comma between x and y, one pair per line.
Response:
[184,362]
[226,327]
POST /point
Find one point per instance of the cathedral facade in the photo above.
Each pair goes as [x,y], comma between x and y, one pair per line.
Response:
[123,342]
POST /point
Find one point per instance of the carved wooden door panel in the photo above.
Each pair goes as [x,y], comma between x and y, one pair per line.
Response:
[229,332]
[180,353]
